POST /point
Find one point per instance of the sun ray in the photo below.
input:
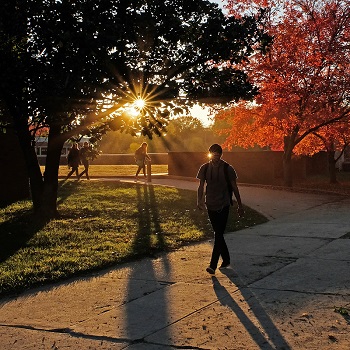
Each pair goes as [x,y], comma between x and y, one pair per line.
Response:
[139,103]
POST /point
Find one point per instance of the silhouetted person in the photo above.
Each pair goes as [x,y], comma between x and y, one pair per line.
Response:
[220,178]
[84,158]
[73,160]
[141,157]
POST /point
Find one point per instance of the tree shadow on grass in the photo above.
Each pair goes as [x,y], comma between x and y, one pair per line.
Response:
[148,222]
[16,232]
[4,204]
[65,190]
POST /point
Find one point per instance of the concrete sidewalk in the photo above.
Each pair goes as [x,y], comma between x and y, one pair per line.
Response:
[287,275]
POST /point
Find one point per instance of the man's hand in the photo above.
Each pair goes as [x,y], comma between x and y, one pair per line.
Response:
[240,212]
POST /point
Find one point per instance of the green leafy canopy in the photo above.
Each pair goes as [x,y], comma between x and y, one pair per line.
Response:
[80,65]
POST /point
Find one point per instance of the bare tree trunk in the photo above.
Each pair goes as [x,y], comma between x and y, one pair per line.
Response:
[43,189]
[331,167]
[287,162]
[31,161]
[49,195]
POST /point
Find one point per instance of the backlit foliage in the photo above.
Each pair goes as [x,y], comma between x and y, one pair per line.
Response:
[304,81]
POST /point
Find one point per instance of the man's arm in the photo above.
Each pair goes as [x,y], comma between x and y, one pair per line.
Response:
[235,190]
[200,196]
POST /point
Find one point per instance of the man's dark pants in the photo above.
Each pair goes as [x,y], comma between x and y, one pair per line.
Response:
[218,221]
[86,169]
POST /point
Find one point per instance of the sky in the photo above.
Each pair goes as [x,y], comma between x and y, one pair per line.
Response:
[219,2]
[202,114]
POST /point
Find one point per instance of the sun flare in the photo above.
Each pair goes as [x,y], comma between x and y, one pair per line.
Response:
[139,103]
[136,107]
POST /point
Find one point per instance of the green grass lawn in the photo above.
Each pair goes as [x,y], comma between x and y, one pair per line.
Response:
[113,170]
[101,224]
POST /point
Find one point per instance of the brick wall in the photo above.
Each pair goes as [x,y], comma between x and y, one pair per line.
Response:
[262,167]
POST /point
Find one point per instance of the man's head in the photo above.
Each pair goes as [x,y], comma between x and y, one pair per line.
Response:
[215,148]
[215,152]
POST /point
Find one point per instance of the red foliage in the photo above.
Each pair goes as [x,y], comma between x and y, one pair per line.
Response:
[304,80]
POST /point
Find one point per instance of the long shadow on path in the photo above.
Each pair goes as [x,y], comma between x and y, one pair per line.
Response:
[146,313]
[266,335]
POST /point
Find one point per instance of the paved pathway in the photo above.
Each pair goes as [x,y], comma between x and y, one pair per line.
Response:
[287,275]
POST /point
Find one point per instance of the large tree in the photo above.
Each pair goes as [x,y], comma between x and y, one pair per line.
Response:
[84,67]
[334,139]
[305,80]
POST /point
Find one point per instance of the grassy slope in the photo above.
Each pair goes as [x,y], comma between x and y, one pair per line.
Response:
[100,224]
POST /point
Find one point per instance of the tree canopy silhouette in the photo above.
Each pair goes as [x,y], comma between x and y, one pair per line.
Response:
[76,68]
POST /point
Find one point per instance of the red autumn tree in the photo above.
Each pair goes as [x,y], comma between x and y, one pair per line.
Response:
[304,81]
[333,138]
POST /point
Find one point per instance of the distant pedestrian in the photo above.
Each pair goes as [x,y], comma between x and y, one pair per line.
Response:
[73,160]
[220,179]
[141,157]
[85,154]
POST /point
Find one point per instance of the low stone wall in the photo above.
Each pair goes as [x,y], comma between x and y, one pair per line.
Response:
[251,167]
[262,167]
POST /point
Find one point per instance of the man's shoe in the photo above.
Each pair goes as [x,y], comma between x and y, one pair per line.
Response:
[224,266]
[210,270]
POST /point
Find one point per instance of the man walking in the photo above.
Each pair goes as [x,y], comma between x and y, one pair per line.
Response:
[84,157]
[220,179]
